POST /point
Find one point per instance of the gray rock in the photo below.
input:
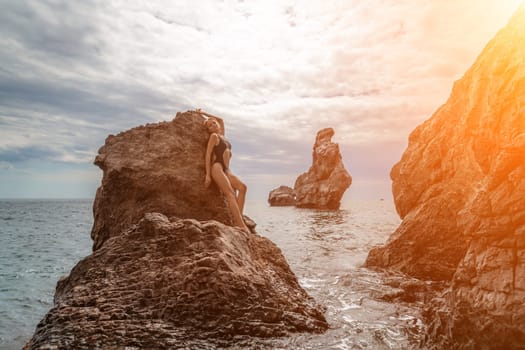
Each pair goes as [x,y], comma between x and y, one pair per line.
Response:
[155,168]
[326,181]
[167,271]
[172,283]
[281,196]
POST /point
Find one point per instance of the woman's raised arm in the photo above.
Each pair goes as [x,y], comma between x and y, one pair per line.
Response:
[218,119]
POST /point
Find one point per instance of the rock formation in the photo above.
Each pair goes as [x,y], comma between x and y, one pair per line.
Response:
[282,196]
[327,179]
[166,284]
[460,190]
[165,273]
[146,169]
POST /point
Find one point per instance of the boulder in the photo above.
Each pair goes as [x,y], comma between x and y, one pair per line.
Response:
[177,283]
[155,168]
[167,270]
[460,190]
[281,196]
[327,179]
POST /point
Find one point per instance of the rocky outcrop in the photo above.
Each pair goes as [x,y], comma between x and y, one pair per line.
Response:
[460,190]
[327,179]
[281,196]
[154,168]
[167,284]
[167,272]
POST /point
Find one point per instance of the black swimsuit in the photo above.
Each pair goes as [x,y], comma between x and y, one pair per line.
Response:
[219,151]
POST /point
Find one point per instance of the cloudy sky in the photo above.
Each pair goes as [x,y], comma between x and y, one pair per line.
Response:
[73,72]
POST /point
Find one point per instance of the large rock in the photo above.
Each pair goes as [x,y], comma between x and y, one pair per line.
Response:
[281,196]
[166,272]
[155,168]
[179,283]
[327,179]
[460,189]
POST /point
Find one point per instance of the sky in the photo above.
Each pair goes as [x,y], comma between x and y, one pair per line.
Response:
[73,72]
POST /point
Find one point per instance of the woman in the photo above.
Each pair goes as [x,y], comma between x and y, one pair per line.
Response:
[218,155]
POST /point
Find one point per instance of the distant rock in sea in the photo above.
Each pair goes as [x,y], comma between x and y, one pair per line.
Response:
[281,196]
[167,271]
[326,181]
[460,190]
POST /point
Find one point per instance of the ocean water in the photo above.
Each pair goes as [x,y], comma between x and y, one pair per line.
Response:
[42,240]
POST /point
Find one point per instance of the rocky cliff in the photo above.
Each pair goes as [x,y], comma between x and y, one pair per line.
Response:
[163,276]
[327,179]
[460,190]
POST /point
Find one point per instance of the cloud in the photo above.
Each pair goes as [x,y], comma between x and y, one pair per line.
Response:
[15,155]
[58,31]
[6,165]
[74,72]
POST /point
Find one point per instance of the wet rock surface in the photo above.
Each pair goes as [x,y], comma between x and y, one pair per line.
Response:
[155,168]
[166,284]
[323,186]
[460,190]
[282,196]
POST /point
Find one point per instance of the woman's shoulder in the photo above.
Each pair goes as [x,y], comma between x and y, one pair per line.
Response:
[214,137]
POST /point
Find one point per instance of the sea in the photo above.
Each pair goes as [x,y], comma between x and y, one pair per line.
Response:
[41,240]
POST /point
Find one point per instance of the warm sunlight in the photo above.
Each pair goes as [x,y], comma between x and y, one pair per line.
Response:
[262,174]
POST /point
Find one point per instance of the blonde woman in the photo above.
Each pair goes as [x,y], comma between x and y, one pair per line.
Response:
[218,155]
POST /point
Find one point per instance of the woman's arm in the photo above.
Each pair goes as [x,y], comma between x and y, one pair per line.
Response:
[218,119]
[212,142]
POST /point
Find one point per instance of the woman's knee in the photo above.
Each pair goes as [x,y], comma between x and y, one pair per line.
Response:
[242,187]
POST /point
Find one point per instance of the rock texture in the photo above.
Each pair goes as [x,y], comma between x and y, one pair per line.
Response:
[327,179]
[165,272]
[146,169]
[165,284]
[460,190]
[282,196]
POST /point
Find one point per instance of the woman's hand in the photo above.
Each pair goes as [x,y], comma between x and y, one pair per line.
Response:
[207,181]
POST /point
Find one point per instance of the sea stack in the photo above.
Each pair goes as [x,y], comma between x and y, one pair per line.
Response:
[327,179]
[167,270]
[460,190]
[281,196]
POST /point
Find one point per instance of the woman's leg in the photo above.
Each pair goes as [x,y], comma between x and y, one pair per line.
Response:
[238,185]
[225,186]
